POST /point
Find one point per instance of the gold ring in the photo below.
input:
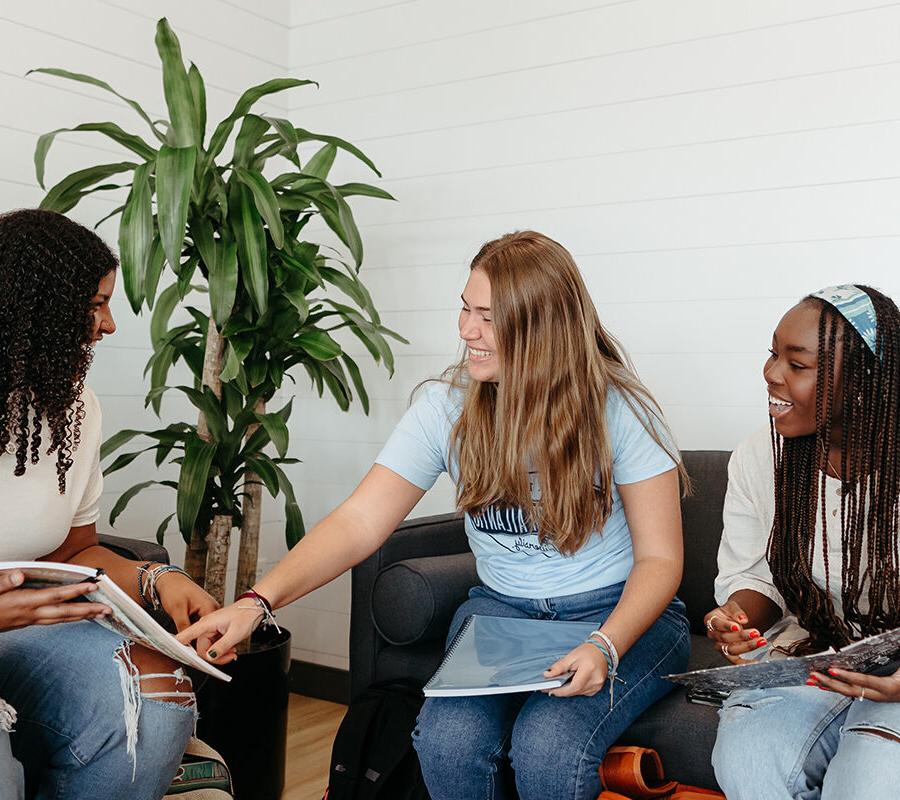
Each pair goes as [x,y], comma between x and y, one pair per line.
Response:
[725,650]
[709,622]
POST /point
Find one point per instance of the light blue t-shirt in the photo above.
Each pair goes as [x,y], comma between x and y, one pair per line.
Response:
[509,557]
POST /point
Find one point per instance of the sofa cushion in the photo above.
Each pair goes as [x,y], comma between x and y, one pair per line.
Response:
[414,600]
[683,733]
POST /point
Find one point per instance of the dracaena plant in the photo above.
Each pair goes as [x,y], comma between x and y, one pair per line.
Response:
[231,234]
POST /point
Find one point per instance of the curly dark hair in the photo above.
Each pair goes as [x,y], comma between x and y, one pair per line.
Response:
[50,268]
[870,497]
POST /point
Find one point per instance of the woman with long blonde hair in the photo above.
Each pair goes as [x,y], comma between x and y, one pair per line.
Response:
[569,483]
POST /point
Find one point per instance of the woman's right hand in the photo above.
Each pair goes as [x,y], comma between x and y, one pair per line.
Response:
[218,633]
[725,626]
[22,607]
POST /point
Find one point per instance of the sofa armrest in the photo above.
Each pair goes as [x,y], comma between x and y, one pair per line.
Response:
[443,534]
[135,549]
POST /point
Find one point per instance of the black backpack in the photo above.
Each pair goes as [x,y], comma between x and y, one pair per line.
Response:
[373,757]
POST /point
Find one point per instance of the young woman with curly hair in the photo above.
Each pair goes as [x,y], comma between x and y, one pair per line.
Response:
[811,539]
[569,484]
[75,733]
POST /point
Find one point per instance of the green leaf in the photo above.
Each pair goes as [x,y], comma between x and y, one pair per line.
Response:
[363,190]
[223,280]
[134,143]
[266,202]
[115,441]
[81,78]
[125,498]
[319,345]
[136,236]
[358,384]
[262,466]
[251,133]
[306,136]
[297,298]
[339,218]
[277,431]
[198,457]
[294,528]
[251,241]
[207,403]
[174,176]
[161,530]
[198,99]
[320,163]
[124,460]
[159,322]
[336,381]
[243,105]
[155,263]
[183,120]
[66,194]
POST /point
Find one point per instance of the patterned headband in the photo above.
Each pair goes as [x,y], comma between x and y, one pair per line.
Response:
[855,306]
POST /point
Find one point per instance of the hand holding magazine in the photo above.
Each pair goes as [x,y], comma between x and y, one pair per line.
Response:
[879,654]
[501,655]
[127,618]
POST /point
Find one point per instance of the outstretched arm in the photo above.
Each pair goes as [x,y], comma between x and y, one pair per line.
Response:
[348,535]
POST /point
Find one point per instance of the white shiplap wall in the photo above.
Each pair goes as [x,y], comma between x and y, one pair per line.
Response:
[234,46]
[706,162]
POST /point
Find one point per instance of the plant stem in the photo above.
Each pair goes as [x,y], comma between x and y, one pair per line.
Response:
[196,555]
[248,552]
[218,540]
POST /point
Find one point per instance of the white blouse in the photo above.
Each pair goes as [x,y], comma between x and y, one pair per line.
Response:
[748,515]
[35,517]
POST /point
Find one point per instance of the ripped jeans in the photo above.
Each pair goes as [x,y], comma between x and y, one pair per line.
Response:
[75,701]
[803,743]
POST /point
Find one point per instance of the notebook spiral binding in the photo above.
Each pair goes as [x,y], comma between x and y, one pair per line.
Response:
[453,645]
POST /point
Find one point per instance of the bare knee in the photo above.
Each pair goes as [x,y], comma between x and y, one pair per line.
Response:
[161,677]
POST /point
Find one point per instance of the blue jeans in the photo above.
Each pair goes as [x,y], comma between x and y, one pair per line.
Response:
[554,745]
[802,743]
[64,682]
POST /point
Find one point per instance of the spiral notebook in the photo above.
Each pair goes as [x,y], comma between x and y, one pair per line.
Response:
[501,655]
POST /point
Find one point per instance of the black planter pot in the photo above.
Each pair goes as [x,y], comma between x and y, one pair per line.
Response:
[246,720]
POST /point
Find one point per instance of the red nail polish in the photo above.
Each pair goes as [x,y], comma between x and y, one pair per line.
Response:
[735,628]
[754,634]
[811,682]
[832,671]
[761,642]
[814,679]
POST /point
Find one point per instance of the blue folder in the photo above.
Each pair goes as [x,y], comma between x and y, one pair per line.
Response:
[500,655]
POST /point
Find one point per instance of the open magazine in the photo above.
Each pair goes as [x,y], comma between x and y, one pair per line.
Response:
[127,619]
[878,654]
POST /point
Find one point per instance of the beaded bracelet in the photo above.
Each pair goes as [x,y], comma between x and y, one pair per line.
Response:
[611,655]
[263,605]
[147,579]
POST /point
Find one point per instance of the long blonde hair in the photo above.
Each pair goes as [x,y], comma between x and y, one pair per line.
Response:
[548,410]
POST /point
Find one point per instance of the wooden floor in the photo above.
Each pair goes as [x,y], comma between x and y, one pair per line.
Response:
[312,725]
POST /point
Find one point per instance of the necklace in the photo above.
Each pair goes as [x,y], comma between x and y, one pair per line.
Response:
[830,465]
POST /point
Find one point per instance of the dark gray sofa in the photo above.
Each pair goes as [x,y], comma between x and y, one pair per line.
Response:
[404,595]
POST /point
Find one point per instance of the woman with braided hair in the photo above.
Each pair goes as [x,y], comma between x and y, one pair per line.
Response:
[94,717]
[811,539]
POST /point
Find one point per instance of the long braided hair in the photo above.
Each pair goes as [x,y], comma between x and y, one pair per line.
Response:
[867,404]
[50,268]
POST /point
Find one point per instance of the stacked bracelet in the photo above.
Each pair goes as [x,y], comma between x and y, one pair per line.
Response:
[605,645]
[147,579]
[261,604]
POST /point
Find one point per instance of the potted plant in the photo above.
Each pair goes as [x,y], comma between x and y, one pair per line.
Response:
[227,231]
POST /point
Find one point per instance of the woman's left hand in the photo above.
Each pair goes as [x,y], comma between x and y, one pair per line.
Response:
[858,685]
[183,600]
[588,667]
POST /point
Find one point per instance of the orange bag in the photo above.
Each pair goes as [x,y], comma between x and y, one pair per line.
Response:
[636,773]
